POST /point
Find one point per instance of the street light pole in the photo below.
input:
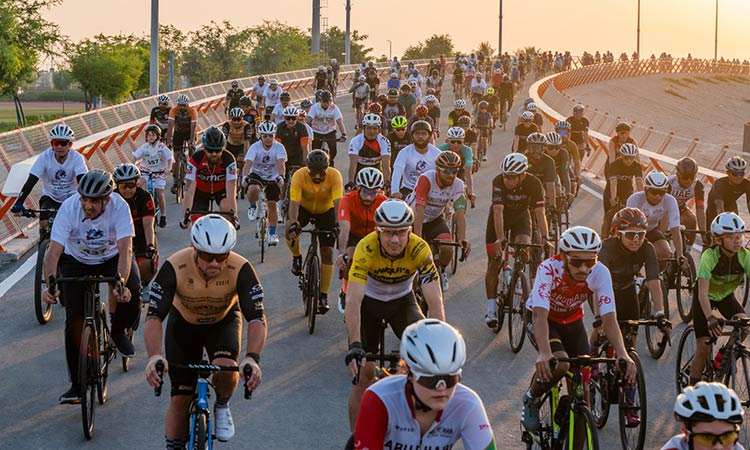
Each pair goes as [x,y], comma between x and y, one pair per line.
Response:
[716,33]
[500,32]
[347,37]
[390,50]
[154,65]
[638,34]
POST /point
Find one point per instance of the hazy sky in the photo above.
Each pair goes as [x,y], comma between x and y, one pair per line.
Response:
[675,26]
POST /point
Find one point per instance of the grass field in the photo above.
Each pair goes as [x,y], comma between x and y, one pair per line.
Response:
[35,111]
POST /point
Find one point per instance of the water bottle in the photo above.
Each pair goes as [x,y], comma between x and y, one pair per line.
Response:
[507,273]
[719,358]
[638,283]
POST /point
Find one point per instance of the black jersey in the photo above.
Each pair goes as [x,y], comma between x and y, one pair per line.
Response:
[623,264]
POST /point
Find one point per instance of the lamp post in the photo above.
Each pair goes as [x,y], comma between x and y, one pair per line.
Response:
[638,34]
[154,68]
[716,33]
[500,32]
[390,50]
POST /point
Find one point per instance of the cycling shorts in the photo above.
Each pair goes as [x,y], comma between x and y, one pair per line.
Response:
[238,150]
[570,338]
[353,240]
[399,314]
[436,229]
[655,235]
[272,189]
[728,307]
[202,200]
[46,202]
[325,222]
[514,223]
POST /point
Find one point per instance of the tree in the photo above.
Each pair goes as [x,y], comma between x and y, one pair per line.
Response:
[216,52]
[62,79]
[414,51]
[437,45]
[335,39]
[278,47]
[486,49]
[171,40]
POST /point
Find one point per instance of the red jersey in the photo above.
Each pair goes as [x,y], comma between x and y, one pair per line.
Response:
[361,218]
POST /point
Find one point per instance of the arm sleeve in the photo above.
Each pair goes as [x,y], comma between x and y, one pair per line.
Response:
[225,128]
[191,170]
[651,262]
[468,156]
[161,291]
[250,293]
[63,225]
[421,191]
[27,187]
[372,423]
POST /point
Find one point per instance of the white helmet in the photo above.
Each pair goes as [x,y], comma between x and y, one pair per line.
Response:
[727,222]
[432,347]
[321,68]
[514,164]
[361,78]
[163,98]
[394,75]
[479,75]
[656,180]
[333,60]
[430,98]
[62,132]
[527,115]
[369,178]
[706,402]
[236,113]
[371,119]
[736,163]
[536,138]
[267,128]
[531,107]
[290,111]
[580,239]
[628,149]
[456,133]
[460,103]
[553,139]
[213,233]
[183,99]
[273,81]
[394,213]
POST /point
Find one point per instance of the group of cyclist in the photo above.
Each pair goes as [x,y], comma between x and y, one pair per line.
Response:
[105,224]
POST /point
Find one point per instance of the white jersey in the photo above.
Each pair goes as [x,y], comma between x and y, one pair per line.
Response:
[323,121]
[272,96]
[264,161]
[153,158]
[92,241]
[278,113]
[429,194]
[410,164]
[478,86]
[667,207]
[366,154]
[59,180]
[464,418]
[680,442]
[259,90]
[683,195]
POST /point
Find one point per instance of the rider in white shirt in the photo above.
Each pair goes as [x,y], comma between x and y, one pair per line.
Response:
[155,159]
[413,160]
[324,117]
[272,93]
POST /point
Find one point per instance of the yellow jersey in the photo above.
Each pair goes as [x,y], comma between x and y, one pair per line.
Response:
[387,278]
[316,198]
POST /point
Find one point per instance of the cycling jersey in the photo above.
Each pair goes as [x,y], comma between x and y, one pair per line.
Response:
[387,420]
[391,111]
[386,278]
[577,128]
[293,139]
[408,101]
[234,97]
[542,168]
[624,265]
[397,144]
[361,91]
[183,119]
[321,79]
[410,164]
[728,193]
[624,175]
[527,195]
[59,179]
[160,117]
[272,96]
[359,216]
[179,285]
[259,90]
[434,82]
[153,158]
[237,135]
[415,118]
[483,120]
[211,179]
[478,87]
[141,205]
[323,120]
[369,153]
[92,241]
[265,160]
[522,131]
[680,442]
[316,198]
[278,113]
[561,295]
[725,273]
[683,195]
[655,213]
[454,115]
[434,198]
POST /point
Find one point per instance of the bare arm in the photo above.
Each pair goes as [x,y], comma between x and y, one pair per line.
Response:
[418,218]
[355,292]
[51,258]
[125,255]
[353,160]
[433,295]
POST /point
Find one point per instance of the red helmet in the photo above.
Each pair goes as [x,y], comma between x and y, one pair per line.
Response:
[375,108]
[628,217]
[422,110]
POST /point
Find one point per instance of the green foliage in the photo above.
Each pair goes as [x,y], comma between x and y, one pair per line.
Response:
[278,47]
[485,48]
[217,51]
[336,42]
[530,50]
[62,79]
[414,51]
[171,40]
[433,47]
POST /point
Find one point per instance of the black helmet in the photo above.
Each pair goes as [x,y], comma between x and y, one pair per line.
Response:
[325,96]
[96,183]
[213,138]
[622,126]
[687,166]
[421,125]
[285,96]
[317,160]
[154,129]
[245,101]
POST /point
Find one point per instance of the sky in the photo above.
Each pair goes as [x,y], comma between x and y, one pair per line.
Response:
[678,27]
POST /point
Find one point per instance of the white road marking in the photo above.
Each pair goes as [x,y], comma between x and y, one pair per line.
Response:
[19,273]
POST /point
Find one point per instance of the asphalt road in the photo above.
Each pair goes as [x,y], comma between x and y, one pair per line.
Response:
[302,402]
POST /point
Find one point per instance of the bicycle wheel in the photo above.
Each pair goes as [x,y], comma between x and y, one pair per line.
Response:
[744,291]
[199,431]
[684,291]
[666,283]
[313,292]
[739,380]
[599,389]
[106,349]
[43,310]
[655,340]
[454,260]
[685,354]
[88,359]
[632,410]
[518,293]
[542,439]
[585,435]
[500,302]
[179,171]
[262,236]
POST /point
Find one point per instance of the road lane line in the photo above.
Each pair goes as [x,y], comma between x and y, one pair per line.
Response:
[18,274]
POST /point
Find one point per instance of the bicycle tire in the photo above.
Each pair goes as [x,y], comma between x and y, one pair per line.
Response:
[500,302]
[42,310]
[634,441]
[313,286]
[666,283]
[262,236]
[105,356]
[599,389]
[200,431]
[745,286]
[684,291]
[685,354]
[88,357]
[739,380]
[517,310]
[454,236]
[582,417]
[655,340]
[125,360]
[544,438]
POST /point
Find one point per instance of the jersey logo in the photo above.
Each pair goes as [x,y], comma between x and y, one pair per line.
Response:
[60,174]
[94,233]
[266,159]
[421,166]
[604,300]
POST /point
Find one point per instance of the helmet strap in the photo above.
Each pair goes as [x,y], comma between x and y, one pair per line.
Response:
[419,404]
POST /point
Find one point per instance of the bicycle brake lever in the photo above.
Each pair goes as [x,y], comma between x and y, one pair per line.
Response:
[247,372]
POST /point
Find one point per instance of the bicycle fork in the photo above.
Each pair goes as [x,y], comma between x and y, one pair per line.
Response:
[200,406]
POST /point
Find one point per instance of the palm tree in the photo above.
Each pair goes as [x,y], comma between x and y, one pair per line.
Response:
[485,48]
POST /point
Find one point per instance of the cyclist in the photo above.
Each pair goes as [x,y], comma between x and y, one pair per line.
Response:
[92,234]
[324,116]
[553,149]
[478,88]
[542,166]
[155,157]
[250,115]
[204,291]
[434,81]
[371,73]
[385,264]
[538,118]
[181,133]
[522,109]
[515,193]
[656,202]
[413,160]
[265,166]
[321,78]
[259,89]
[314,194]
[563,129]
[620,176]
[160,114]
[618,140]
[471,139]
[294,135]
[523,130]
[360,91]
[455,143]
[433,111]
[562,285]
[458,80]
[60,170]
[421,112]
[277,115]
[459,110]
[579,129]
[434,190]
[727,190]
[711,414]
[506,96]
[720,271]
[398,138]
[427,407]
[392,108]
[234,94]
[369,149]
[142,212]
[484,123]
[239,133]
[356,219]
[684,187]
[211,177]
[407,100]
[272,93]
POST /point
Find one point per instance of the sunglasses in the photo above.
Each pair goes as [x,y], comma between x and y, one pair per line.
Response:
[127,185]
[399,129]
[562,132]
[236,119]
[633,235]
[656,192]
[163,105]
[317,173]
[368,192]
[536,147]
[439,381]
[737,173]
[710,439]
[448,171]
[213,150]
[687,177]
[578,262]
[59,143]
[290,118]
[456,141]
[208,257]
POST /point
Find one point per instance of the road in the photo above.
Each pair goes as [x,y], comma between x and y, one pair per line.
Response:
[302,402]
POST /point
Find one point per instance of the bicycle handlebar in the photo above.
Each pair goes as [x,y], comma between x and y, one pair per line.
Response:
[229,214]
[734,323]
[204,370]
[33,212]
[463,256]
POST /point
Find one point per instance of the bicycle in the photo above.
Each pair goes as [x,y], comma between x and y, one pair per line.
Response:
[42,310]
[150,188]
[228,214]
[309,280]
[567,422]
[682,280]
[512,293]
[287,193]
[201,435]
[97,348]
[392,359]
[180,164]
[656,341]
[435,248]
[261,231]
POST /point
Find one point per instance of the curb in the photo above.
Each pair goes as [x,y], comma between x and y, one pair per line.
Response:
[17,247]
